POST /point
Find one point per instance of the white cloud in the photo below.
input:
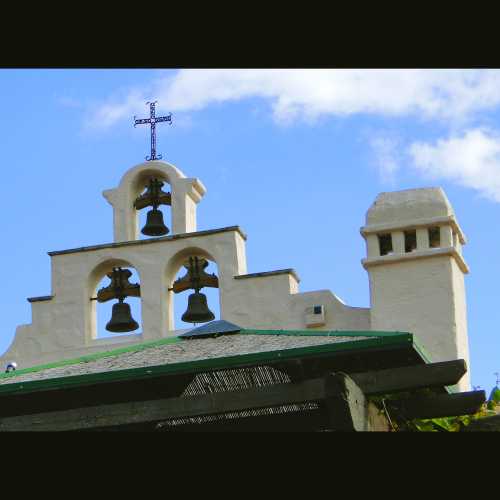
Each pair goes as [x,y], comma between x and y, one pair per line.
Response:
[105,115]
[471,160]
[386,153]
[311,93]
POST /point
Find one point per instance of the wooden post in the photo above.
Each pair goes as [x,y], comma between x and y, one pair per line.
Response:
[345,403]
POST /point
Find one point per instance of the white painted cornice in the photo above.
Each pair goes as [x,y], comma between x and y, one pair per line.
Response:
[416,223]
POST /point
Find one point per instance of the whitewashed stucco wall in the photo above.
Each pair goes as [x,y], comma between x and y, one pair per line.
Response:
[422,292]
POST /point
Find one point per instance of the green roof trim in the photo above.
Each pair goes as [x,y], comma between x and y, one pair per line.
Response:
[402,339]
[420,349]
[173,340]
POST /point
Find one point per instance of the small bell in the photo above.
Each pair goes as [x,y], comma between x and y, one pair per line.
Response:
[154,224]
[197,310]
[121,319]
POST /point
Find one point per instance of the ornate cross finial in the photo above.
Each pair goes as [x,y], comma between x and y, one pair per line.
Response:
[153,120]
[498,377]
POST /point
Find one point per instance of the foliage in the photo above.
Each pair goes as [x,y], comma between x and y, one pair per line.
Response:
[495,396]
[450,424]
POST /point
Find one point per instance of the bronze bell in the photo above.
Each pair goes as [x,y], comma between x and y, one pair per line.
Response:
[154,224]
[121,319]
[197,311]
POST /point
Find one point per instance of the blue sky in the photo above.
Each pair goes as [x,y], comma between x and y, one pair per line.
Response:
[325,141]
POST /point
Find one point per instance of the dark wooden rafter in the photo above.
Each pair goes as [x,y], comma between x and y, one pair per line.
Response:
[440,374]
[376,382]
[436,406]
[163,409]
[343,397]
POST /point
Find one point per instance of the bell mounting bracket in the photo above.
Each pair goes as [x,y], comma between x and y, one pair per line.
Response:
[120,287]
[153,196]
[196,277]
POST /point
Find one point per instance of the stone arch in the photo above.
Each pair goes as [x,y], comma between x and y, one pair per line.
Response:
[173,267]
[186,193]
[93,280]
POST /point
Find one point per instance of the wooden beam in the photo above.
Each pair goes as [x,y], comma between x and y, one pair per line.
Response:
[164,409]
[344,400]
[345,404]
[411,377]
[443,405]
[343,395]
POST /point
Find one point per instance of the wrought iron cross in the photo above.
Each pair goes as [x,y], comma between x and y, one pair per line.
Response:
[153,120]
[498,379]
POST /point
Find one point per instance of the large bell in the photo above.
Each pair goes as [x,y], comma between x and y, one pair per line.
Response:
[154,224]
[197,311]
[121,319]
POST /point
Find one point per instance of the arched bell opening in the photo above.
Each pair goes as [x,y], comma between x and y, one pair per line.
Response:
[152,201]
[115,302]
[193,289]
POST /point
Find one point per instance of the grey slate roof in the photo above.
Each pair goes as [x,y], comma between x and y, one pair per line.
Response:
[176,350]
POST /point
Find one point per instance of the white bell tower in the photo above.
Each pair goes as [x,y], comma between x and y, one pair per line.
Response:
[186,193]
[416,271]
